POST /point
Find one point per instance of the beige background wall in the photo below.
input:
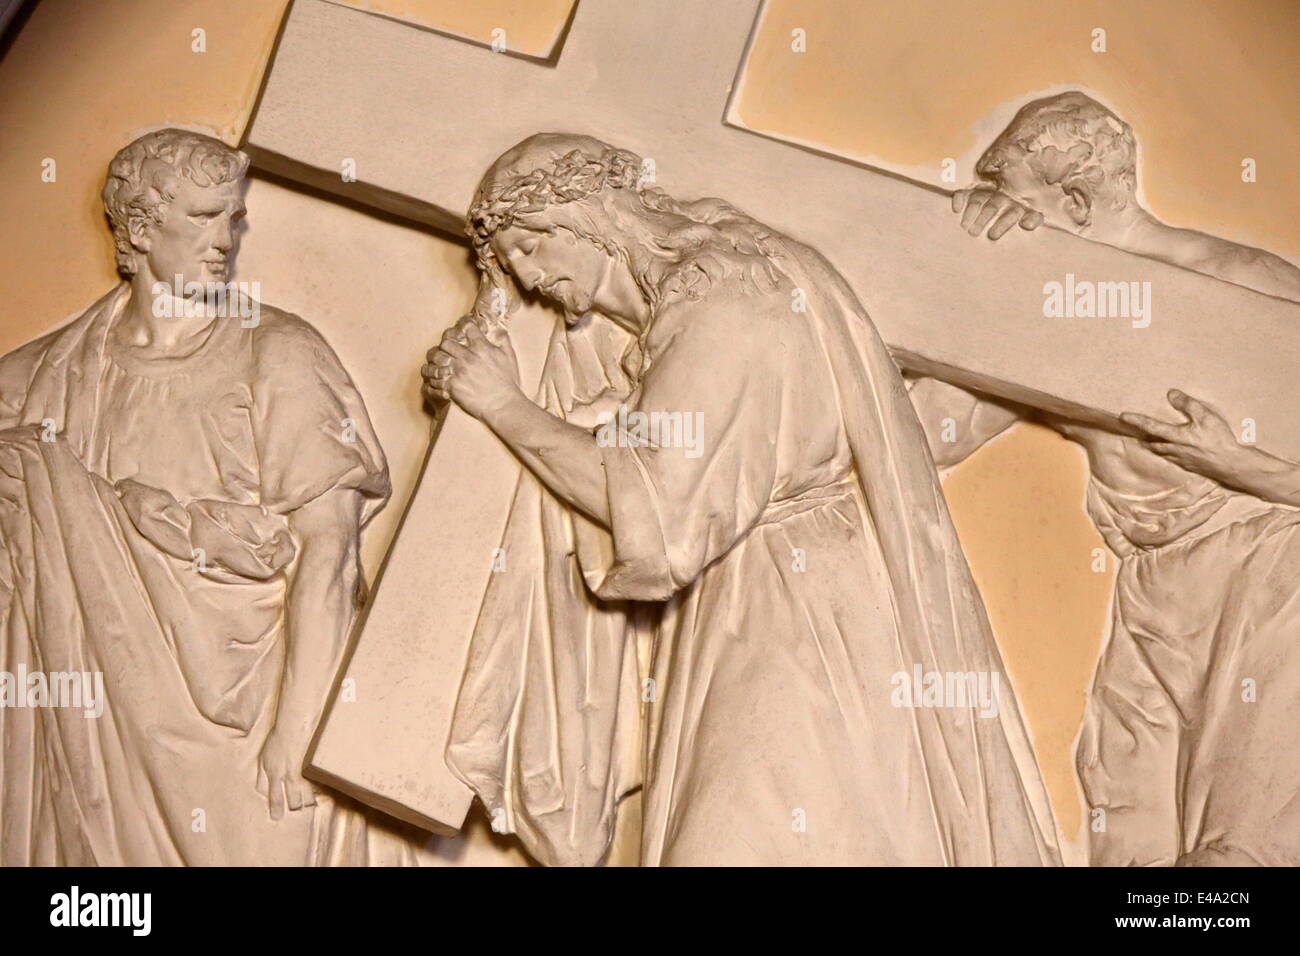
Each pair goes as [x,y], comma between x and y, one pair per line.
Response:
[902,84]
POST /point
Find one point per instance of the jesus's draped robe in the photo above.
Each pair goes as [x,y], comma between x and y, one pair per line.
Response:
[778,582]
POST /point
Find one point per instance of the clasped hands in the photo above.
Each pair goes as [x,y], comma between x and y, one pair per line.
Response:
[479,375]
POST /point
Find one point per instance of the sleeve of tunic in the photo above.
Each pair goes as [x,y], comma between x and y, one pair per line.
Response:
[678,504]
[310,425]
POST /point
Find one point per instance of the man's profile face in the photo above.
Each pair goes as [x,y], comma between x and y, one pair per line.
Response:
[198,236]
[561,266]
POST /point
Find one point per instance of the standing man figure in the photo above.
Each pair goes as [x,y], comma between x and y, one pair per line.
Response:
[182,491]
[1187,751]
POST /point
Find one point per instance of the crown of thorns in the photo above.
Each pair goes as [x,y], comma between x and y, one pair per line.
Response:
[575,175]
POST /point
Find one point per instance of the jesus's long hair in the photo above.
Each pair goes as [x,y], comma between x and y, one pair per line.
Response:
[606,201]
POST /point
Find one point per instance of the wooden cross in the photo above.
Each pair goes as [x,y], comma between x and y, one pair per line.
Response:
[419,115]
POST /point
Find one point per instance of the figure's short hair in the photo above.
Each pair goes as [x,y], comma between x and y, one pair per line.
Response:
[143,176]
[1101,146]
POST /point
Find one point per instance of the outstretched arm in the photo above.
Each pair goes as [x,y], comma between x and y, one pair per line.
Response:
[1205,444]
[1253,268]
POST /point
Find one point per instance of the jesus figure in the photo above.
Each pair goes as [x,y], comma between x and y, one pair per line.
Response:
[723,620]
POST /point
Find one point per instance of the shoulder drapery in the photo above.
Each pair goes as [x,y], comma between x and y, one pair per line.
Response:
[544,719]
[56,376]
[311,427]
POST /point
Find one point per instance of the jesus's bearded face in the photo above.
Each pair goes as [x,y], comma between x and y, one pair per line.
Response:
[561,266]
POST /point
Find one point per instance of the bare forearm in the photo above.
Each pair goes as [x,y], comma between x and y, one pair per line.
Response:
[564,457]
[1265,476]
[320,606]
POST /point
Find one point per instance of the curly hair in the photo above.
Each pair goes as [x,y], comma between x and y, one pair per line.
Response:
[143,176]
[1102,147]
